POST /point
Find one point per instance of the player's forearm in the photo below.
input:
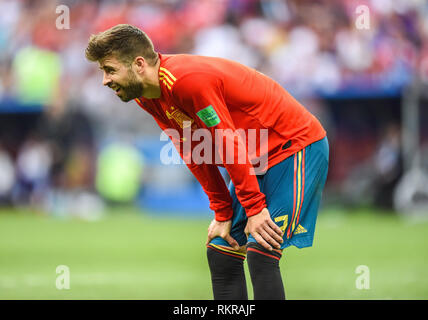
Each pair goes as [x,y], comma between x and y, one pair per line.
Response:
[236,161]
[247,189]
[215,188]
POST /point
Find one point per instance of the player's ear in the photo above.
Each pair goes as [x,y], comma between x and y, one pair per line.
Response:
[140,64]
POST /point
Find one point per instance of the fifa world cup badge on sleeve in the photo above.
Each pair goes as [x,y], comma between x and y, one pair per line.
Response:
[209,116]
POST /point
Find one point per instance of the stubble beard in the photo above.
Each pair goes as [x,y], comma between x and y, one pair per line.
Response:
[132,90]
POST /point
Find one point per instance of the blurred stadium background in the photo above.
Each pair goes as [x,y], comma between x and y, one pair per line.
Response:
[81,183]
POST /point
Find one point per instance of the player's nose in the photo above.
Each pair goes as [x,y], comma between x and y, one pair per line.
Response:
[106,80]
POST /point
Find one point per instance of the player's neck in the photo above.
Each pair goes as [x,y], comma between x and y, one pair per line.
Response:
[152,86]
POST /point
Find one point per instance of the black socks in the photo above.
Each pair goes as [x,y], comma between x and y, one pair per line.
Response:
[265,273]
[228,276]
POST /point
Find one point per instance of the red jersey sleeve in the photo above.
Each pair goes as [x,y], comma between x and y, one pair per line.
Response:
[213,184]
[215,188]
[207,175]
[201,96]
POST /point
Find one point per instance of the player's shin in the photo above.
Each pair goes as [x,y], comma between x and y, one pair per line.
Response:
[265,273]
[227,275]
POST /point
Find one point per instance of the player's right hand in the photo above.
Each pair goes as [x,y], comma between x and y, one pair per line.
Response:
[222,229]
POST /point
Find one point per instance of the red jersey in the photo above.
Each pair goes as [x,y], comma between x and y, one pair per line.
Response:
[214,93]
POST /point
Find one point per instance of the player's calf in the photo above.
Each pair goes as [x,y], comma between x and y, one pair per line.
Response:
[227,273]
[265,272]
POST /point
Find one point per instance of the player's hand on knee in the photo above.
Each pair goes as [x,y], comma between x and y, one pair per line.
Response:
[264,230]
[222,229]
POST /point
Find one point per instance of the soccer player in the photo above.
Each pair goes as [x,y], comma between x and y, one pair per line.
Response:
[263,211]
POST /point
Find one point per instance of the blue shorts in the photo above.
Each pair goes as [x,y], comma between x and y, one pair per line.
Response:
[293,190]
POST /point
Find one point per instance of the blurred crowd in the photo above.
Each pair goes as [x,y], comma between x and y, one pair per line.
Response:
[312,48]
[308,46]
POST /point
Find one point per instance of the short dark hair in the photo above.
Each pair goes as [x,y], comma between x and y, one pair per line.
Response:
[123,41]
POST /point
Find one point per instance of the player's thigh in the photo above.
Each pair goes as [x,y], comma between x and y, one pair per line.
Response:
[316,158]
[293,191]
[279,195]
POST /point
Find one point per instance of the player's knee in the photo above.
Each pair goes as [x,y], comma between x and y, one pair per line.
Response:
[222,262]
[226,251]
[257,251]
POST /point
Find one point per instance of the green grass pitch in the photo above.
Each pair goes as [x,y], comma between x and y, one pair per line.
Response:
[132,255]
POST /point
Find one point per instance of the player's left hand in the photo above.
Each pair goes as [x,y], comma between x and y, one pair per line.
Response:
[264,230]
[222,229]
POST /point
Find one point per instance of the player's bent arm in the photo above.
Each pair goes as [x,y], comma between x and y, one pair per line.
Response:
[201,96]
[210,179]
